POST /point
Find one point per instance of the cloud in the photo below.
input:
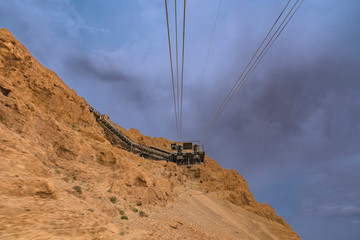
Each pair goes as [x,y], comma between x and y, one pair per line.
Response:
[99,65]
[292,130]
[331,211]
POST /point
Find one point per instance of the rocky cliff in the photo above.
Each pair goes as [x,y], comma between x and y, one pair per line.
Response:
[62,176]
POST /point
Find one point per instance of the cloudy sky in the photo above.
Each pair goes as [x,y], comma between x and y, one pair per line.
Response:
[293,130]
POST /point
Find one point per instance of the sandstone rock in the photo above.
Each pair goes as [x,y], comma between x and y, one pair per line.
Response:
[50,142]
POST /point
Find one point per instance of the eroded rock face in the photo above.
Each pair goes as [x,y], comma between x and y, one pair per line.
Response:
[60,170]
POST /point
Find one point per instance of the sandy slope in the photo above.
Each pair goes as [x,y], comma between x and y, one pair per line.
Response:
[63,177]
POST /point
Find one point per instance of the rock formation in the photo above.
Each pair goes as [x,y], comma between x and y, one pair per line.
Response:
[62,176]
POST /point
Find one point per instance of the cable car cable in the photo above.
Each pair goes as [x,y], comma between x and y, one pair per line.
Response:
[237,86]
[219,110]
[171,66]
[207,58]
[254,64]
[177,63]
[262,56]
[182,69]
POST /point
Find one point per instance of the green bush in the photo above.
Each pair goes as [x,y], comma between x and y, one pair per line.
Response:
[113,200]
[135,210]
[78,189]
[143,214]
[122,212]
[124,217]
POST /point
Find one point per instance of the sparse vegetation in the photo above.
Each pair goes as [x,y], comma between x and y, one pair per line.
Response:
[44,163]
[124,217]
[78,189]
[122,233]
[57,171]
[143,214]
[109,190]
[122,212]
[90,210]
[74,178]
[36,155]
[113,200]
[135,210]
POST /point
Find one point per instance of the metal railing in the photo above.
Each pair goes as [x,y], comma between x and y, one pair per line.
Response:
[132,146]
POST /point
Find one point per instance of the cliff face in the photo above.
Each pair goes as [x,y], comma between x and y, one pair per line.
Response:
[61,175]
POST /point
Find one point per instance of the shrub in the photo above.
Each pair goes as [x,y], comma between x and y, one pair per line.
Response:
[143,214]
[90,210]
[124,217]
[78,189]
[122,212]
[135,210]
[113,199]
[57,171]
[122,233]
[44,163]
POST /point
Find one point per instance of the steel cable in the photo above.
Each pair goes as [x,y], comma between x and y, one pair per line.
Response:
[255,63]
[171,66]
[182,69]
[238,85]
[219,110]
[207,58]
[271,44]
[177,63]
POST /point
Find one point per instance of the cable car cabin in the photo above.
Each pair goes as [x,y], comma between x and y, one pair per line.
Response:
[187,153]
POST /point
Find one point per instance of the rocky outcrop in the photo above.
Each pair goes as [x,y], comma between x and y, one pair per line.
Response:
[61,175]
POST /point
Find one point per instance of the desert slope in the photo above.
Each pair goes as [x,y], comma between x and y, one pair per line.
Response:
[62,176]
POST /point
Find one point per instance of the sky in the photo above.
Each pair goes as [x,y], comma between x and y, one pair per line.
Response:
[292,131]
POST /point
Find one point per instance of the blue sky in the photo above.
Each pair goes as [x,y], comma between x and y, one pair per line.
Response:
[293,131]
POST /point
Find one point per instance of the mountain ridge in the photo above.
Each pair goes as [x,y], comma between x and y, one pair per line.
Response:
[52,146]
